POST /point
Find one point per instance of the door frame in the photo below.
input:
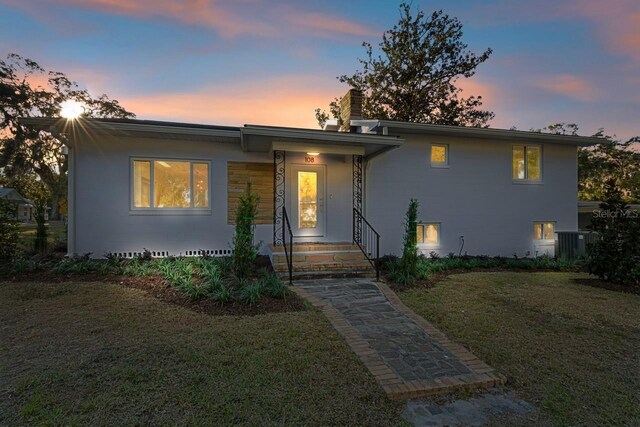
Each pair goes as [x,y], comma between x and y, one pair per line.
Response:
[292,199]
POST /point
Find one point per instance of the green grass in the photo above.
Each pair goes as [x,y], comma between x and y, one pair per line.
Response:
[572,350]
[55,229]
[103,354]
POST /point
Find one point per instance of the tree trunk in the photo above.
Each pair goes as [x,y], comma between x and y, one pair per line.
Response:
[55,206]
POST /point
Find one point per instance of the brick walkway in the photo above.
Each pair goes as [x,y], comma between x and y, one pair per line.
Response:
[407,355]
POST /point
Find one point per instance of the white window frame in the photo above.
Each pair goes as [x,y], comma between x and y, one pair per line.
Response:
[427,245]
[444,164]
[542,223]
[526,179]
[152,210]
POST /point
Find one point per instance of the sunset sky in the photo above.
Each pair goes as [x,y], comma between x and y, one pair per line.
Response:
[274,62]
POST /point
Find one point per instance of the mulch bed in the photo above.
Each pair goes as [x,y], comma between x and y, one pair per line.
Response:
[599,283]
[157,287]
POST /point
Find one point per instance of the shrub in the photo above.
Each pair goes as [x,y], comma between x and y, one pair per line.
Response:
[615,255]
[251,294]
[8,231]
[272,285]
[222,295]
[244,249]
[410,240]
[193,289]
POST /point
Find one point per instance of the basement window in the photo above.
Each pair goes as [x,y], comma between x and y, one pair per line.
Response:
[544,230]
[160,184]
[428,234]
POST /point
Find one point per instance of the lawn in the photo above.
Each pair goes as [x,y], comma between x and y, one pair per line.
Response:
[55,229]
[570,349]
[105,354]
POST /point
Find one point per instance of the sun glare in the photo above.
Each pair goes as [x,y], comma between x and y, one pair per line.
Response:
[71,109]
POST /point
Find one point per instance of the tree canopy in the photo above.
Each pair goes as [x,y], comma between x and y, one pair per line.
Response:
[412,75]
[28,90]
[612,165]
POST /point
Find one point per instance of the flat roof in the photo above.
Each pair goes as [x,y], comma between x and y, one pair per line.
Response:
[476,132]
[391,128]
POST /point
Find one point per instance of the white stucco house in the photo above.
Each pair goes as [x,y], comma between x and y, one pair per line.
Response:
[172,187]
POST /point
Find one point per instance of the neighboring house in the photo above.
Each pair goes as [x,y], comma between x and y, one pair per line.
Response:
[586,209]
[24,209]
[172,187]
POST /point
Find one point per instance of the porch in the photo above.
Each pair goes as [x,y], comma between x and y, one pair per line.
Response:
[319,205]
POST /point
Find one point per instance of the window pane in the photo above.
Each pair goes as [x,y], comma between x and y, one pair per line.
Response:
[537,231]
[201,185]
[438,154]
[533,163]
[548,231]
[172,184]
[308,199]
[431,233]
[518,162]
[420,234]
[141,184]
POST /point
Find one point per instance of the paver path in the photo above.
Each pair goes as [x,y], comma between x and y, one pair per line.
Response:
[408,356]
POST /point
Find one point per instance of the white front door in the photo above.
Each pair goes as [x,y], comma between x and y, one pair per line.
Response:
[307,201]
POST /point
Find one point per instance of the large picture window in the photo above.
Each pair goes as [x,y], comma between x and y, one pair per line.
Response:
[170,184]
[527,163]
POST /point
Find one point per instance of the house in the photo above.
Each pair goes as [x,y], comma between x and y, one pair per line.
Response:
[24,209]
[172,187]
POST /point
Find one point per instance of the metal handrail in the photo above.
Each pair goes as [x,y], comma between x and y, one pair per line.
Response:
[288,252]
[366,238]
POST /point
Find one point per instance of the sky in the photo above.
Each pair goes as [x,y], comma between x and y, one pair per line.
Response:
[273,62]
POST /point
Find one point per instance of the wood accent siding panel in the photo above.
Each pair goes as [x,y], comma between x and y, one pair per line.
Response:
[261,177]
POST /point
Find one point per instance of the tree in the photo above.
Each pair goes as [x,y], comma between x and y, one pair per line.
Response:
[28,90]
[615,255]
[412,75]
[611,164]
[245,250]
[409,261]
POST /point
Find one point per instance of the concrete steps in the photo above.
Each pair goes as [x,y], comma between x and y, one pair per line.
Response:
[318,260]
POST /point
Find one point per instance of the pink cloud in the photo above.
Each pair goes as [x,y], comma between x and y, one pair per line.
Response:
[230,19]
[328,25]
[571,86]
[283,101]
[617,22]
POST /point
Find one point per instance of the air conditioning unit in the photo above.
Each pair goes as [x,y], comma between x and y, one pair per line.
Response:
[573,244]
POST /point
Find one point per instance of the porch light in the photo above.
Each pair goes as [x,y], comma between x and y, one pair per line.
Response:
[71,109]
[313,154]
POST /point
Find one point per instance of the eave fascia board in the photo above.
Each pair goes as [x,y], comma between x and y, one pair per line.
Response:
[321,135]
[60,125]
[321,148]
[490,133]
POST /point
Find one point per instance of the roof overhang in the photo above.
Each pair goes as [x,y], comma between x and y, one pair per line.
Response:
[134,128]
[267,138]
[396,127]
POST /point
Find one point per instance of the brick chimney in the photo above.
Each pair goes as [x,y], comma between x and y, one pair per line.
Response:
[350,108]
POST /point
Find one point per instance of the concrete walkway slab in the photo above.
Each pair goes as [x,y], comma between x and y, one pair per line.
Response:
[408,356]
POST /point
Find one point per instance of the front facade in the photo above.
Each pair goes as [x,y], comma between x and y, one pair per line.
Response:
[172,188]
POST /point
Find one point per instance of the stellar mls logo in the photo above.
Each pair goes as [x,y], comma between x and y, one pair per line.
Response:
[622,213]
